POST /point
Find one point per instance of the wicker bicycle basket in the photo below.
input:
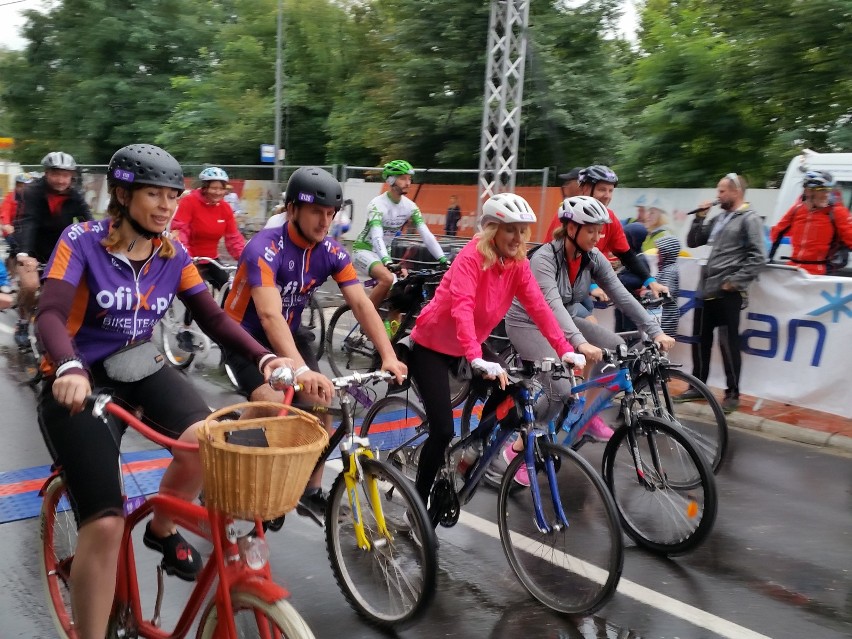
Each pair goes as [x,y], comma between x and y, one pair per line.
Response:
[263,480]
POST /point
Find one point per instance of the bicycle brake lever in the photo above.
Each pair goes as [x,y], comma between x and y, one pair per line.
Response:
[99,406]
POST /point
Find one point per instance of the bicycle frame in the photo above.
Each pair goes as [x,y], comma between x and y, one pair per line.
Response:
[211,525]
[206,522]
[498,438]
[351,452]
[612,384]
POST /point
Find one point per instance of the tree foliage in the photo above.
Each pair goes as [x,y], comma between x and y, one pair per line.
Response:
[710,86]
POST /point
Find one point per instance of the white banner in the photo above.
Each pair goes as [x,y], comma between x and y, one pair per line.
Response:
[796,338]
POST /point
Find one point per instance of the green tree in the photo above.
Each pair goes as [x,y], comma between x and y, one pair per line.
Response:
[574,99]
[727,85]
[95,74]
[227,111]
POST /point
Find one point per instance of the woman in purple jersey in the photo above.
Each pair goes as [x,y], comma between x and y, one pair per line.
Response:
[106,286]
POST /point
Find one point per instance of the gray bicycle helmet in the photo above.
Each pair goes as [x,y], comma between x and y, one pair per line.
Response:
[314,185]
[59,160]
[598,173]
[145,164]
[818,180]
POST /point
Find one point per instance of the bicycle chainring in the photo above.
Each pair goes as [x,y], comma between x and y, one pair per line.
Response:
[444,503]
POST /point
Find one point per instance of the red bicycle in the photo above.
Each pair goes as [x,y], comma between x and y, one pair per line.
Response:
[246,602]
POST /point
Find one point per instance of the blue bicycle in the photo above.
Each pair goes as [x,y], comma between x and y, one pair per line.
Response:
[561,535]
[663,486]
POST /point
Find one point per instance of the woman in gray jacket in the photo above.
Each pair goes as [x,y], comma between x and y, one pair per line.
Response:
[565,269]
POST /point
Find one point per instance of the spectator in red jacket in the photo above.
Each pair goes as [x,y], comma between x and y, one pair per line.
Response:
[815,225]
[203,218]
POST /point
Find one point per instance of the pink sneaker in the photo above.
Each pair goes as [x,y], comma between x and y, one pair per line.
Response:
[521,476]
[598,430]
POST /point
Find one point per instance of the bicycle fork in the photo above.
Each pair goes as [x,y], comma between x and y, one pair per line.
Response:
[352,475]
[529,459]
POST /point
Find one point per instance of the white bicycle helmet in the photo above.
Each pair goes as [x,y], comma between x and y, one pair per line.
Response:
[583,209]
[213,174]
[506,208]
[59,160]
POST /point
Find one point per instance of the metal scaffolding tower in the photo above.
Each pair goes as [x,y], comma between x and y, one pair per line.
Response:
[504,92]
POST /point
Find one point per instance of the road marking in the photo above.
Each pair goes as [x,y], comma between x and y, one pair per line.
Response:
[691,614]
[644,595]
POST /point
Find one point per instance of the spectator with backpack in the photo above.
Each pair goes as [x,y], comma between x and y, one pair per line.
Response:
[819,228]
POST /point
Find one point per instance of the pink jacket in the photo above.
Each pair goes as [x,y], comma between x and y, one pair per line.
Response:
[470,302]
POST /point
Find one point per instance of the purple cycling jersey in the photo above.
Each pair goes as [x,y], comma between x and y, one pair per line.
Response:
[114,305]
[279,257]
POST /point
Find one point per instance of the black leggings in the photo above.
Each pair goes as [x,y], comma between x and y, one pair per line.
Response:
[87,448]
[430,371]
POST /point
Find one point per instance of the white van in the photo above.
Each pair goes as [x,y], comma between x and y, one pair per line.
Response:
[838,164]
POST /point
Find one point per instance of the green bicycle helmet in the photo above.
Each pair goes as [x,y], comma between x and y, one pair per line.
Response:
[397,167]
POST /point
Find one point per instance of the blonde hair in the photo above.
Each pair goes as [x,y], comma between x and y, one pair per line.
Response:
[560,231]
[115,211]
[485,245]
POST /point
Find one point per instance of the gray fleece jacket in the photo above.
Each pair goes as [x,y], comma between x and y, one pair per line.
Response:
[549,268]
[737,255]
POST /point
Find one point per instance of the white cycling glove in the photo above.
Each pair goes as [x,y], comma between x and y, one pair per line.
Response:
[487,368]
[574,359]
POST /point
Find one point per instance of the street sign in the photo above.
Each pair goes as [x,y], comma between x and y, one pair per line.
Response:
[267,153]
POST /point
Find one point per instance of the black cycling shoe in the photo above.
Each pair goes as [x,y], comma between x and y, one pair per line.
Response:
[22,335]
[179,557]
[313,504]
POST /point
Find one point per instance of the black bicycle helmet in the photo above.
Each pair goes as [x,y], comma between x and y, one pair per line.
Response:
[145,164]
[314,185]
[598,173]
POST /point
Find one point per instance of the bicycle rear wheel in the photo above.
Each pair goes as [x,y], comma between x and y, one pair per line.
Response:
[572,569]
[177,351]
[669,504]
[702,419]
[397,426]
[390,583]
[349,349]
[56,554]
[254,617]
[30,356]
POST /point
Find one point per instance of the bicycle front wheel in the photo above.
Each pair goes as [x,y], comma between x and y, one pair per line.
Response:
[349,349]
[702,418]
[574,568]
[668,503]
[58,545]
[254,617]
[391,582]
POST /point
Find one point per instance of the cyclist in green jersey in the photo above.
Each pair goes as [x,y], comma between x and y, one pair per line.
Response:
[386,215]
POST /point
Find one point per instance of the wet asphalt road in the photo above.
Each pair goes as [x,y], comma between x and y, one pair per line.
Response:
[778,563]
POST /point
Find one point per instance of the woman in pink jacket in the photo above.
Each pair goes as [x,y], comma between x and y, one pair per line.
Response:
[472,298]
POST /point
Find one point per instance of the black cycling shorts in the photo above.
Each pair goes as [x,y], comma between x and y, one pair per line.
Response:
[87,448]
[250,378]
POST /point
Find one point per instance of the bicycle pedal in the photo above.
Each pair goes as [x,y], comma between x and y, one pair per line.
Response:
[306,512]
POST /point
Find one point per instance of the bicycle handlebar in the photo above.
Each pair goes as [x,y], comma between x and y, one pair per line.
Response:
[103,404]
[214,262]
[283,378]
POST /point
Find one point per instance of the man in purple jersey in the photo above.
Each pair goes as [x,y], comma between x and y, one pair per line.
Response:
[277,271]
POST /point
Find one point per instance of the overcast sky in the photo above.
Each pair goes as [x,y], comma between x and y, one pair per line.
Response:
[11,19]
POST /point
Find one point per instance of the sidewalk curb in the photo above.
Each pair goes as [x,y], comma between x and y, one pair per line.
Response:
[772,427]
[791,432]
